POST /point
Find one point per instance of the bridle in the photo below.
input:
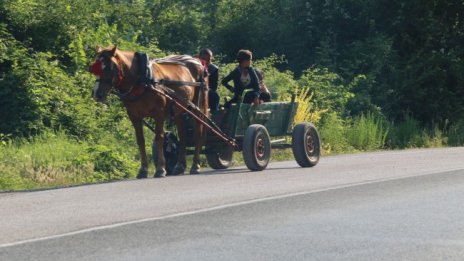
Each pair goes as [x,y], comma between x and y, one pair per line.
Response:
[104,66]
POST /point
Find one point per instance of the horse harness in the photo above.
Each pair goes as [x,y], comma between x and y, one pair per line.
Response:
[145,82]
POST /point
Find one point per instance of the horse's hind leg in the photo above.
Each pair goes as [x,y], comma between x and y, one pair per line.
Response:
[159,138]
[181,161]
[138,126]
[200,130]
[195,169]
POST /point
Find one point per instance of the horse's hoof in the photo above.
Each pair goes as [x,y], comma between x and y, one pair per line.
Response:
[195,170]
[160,173]
[178,171]
[143,173]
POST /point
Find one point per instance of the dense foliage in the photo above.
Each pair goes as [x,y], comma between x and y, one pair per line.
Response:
[388,68]
[406,57]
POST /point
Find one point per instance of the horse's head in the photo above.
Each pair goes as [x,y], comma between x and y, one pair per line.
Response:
[108,72]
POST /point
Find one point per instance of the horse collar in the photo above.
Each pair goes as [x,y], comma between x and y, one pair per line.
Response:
[134,93]
[120,75]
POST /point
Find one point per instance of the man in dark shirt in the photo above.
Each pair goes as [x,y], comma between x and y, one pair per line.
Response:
[244,78]
[206,56]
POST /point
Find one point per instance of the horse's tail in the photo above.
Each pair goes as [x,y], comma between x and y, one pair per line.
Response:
[201,92]
[200,98]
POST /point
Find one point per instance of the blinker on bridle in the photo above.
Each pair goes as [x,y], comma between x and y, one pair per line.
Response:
[97,69]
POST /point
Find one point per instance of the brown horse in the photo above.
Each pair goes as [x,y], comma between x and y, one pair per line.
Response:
[119,70]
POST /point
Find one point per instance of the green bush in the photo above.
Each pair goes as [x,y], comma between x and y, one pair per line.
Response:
[406,134]
[332,129]
[410,134]
[367,132]
[107,164]
[456,134]
[327,88]
[280,83]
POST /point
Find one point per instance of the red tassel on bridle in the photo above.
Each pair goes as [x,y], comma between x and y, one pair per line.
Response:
[97,68]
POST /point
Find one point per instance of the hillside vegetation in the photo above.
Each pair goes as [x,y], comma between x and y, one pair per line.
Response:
[371,74]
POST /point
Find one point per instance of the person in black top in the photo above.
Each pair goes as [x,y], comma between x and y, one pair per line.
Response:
[244,78]
[206,56]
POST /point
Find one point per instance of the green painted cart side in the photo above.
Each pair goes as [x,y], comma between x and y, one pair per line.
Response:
[277,117]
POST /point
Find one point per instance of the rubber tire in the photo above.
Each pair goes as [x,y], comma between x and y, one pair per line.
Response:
[256,133]
[306,156]
[221,159]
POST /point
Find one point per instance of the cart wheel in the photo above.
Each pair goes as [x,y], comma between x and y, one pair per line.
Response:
[170,149]
[219,157]
[306,145]
[256,147]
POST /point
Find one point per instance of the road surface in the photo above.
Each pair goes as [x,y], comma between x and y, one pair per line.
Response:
[399,205]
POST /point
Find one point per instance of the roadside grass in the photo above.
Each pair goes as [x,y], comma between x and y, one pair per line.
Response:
[56,160]
[367,132]
[362,133]
[41,162]
[409,134]
[456,134]
[332,130]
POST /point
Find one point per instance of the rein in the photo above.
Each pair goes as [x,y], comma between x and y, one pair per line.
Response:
[153,84]
[179,83]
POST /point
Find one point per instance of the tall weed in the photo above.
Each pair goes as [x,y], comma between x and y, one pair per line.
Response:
[406,134]
[456,134]
[410,134]
[367,132]
[333,136]
[305,111]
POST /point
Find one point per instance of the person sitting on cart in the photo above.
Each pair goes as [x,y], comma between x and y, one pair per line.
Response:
[244,78]
[265,95]
[206,56]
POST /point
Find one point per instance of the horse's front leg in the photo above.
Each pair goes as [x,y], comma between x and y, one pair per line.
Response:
[159,141]
[138,126]
[179,169]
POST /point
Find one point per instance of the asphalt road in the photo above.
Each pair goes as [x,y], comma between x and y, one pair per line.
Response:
[400,205]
